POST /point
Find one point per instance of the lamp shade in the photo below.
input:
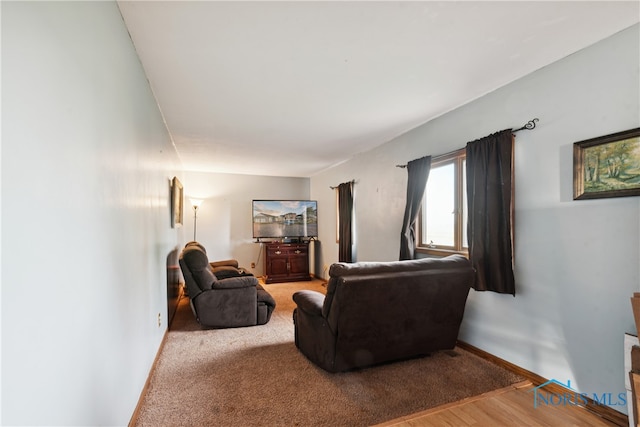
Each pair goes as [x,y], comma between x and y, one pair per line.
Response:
[196,203]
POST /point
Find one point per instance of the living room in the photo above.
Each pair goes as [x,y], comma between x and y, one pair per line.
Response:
[87,162]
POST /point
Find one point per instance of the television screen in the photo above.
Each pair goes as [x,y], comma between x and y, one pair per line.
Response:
[285,219]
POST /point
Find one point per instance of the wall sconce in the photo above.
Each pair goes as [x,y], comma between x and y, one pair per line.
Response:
[196,204]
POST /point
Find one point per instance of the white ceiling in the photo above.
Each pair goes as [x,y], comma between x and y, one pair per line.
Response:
[292,88]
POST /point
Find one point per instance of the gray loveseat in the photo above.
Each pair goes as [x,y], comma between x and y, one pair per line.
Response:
[221,294]
[376,312]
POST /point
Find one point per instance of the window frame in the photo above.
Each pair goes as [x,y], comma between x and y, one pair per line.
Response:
[457,158]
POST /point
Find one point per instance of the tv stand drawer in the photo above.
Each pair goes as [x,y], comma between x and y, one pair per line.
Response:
[277,249]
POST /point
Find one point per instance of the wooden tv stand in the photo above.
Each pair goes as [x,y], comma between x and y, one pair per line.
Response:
[286,262]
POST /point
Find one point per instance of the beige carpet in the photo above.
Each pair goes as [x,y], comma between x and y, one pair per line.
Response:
[256,377]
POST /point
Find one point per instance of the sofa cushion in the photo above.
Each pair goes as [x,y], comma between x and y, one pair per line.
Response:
[198,264]
[343,269]
[360,268]
[225,273]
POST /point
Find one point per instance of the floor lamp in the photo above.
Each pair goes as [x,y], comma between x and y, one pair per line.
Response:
[196,204]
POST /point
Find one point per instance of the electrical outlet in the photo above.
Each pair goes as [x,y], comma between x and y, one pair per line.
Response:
[159,320]
[253,265]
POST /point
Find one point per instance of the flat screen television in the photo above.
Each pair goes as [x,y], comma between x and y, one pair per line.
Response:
[285,219]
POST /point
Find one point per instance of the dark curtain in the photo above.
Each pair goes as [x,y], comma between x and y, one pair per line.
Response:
[418,171]
[345,214]
[490,222]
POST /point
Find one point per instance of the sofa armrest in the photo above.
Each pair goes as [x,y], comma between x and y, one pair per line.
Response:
[224,263]
[309,301]
[235,282]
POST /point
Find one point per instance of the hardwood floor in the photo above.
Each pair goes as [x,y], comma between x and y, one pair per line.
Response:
[508,407]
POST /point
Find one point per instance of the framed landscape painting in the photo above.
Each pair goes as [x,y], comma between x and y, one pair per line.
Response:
[607,166]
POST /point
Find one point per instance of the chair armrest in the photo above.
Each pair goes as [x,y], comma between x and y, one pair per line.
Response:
[265,297]
[309,301]
[235,282]
[224,263]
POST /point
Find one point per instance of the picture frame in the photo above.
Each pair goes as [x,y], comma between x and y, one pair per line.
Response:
[607,166]
[177,203]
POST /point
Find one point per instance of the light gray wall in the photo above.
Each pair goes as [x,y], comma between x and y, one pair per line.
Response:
[224,224]
[86,164]
[576,261]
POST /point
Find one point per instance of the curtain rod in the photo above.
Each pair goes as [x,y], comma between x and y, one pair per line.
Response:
[353,181]
[530,125]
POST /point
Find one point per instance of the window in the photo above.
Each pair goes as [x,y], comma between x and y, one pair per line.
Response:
[443,215]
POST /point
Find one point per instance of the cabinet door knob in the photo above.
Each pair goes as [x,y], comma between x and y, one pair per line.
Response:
[278,252]
[298,251]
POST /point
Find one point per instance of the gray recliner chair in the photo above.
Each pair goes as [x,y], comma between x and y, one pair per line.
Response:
[234,301]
